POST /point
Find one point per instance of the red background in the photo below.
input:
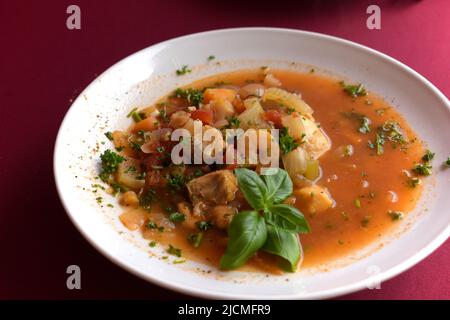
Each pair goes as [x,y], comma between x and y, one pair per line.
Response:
[44,65]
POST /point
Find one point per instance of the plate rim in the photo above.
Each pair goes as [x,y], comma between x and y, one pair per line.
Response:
[205,293]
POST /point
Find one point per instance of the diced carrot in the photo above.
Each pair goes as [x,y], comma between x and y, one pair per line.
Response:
[238,105]
[148,124]
[273,116]
[219,93]
[205,116]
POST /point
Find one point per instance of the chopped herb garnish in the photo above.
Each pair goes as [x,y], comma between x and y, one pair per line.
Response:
[211,57]
[354,90]
[395,215]
[131,112]
[357,203]
[109,135]
[110,163]
[184,70]
[175,182]
[393,133]
[147,198]
[378,144]
[195,239]
[428,156]
[174,251]
[152,225]
[152,244]
[99,200]
[413,181]
[365,125]
[160,149]
[177,217]
[447,162]
[204,225]
[287,143]
[163,115]
[423,169]
[193,96]
[233,122]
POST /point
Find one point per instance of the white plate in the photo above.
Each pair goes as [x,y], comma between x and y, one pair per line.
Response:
[148,74]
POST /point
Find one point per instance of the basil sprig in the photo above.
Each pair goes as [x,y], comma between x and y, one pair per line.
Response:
[272,226]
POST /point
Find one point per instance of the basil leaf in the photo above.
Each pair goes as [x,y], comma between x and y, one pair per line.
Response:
[284,244]
[247,233]
[252,186]
[279,184]
[288,218]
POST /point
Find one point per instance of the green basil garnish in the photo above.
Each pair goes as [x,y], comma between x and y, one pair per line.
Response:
[272,226]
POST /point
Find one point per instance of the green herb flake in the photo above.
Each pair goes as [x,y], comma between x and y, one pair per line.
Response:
[354,91]
[428,156]
[423,169]
[174,251]
[357,203]
[365,221]
[177,217]
[195,239]
[109,135]
[184,70]
[152,244]
[193,96]
[447,162]
[110,163]
[211,57]
[395,215]
[287,143]
[147,198]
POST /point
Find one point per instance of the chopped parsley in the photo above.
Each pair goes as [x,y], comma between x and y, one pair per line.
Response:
[413,182]
[287,143]
[147,198]
[393,133]
[365,221]
[423,169]
[175,182]
[233,122]
[365,125]
[211,57]
[447,162]
[110,163]
[177,217]
[193,96]
[174,251]
[357,203]
[195,239]
[395,215]
[428,156]
[354,91]
[378,144]
[152,225]
[109,135]
[184,70]
[152,244]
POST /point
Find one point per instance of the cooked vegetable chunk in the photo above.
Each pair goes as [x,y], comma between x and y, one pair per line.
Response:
[316,198]
[217,187]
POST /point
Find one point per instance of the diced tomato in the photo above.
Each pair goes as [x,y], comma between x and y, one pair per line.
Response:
[238,105]
[273,116]
[205,116]
[148,124]
[219,94]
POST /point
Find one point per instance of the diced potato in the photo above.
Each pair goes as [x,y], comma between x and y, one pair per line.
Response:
[295,162]
[222,109]
[316,142]
[128,172]
[133,219]
[287,99]
[315,198]
[129,198]
[252,117]
[294,125]
[148,124]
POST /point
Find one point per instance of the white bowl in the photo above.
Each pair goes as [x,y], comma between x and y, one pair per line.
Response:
[148,74]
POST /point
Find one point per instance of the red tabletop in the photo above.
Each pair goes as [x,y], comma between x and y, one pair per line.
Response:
[43,66]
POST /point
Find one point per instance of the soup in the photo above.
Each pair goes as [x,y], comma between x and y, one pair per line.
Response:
[350,169]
